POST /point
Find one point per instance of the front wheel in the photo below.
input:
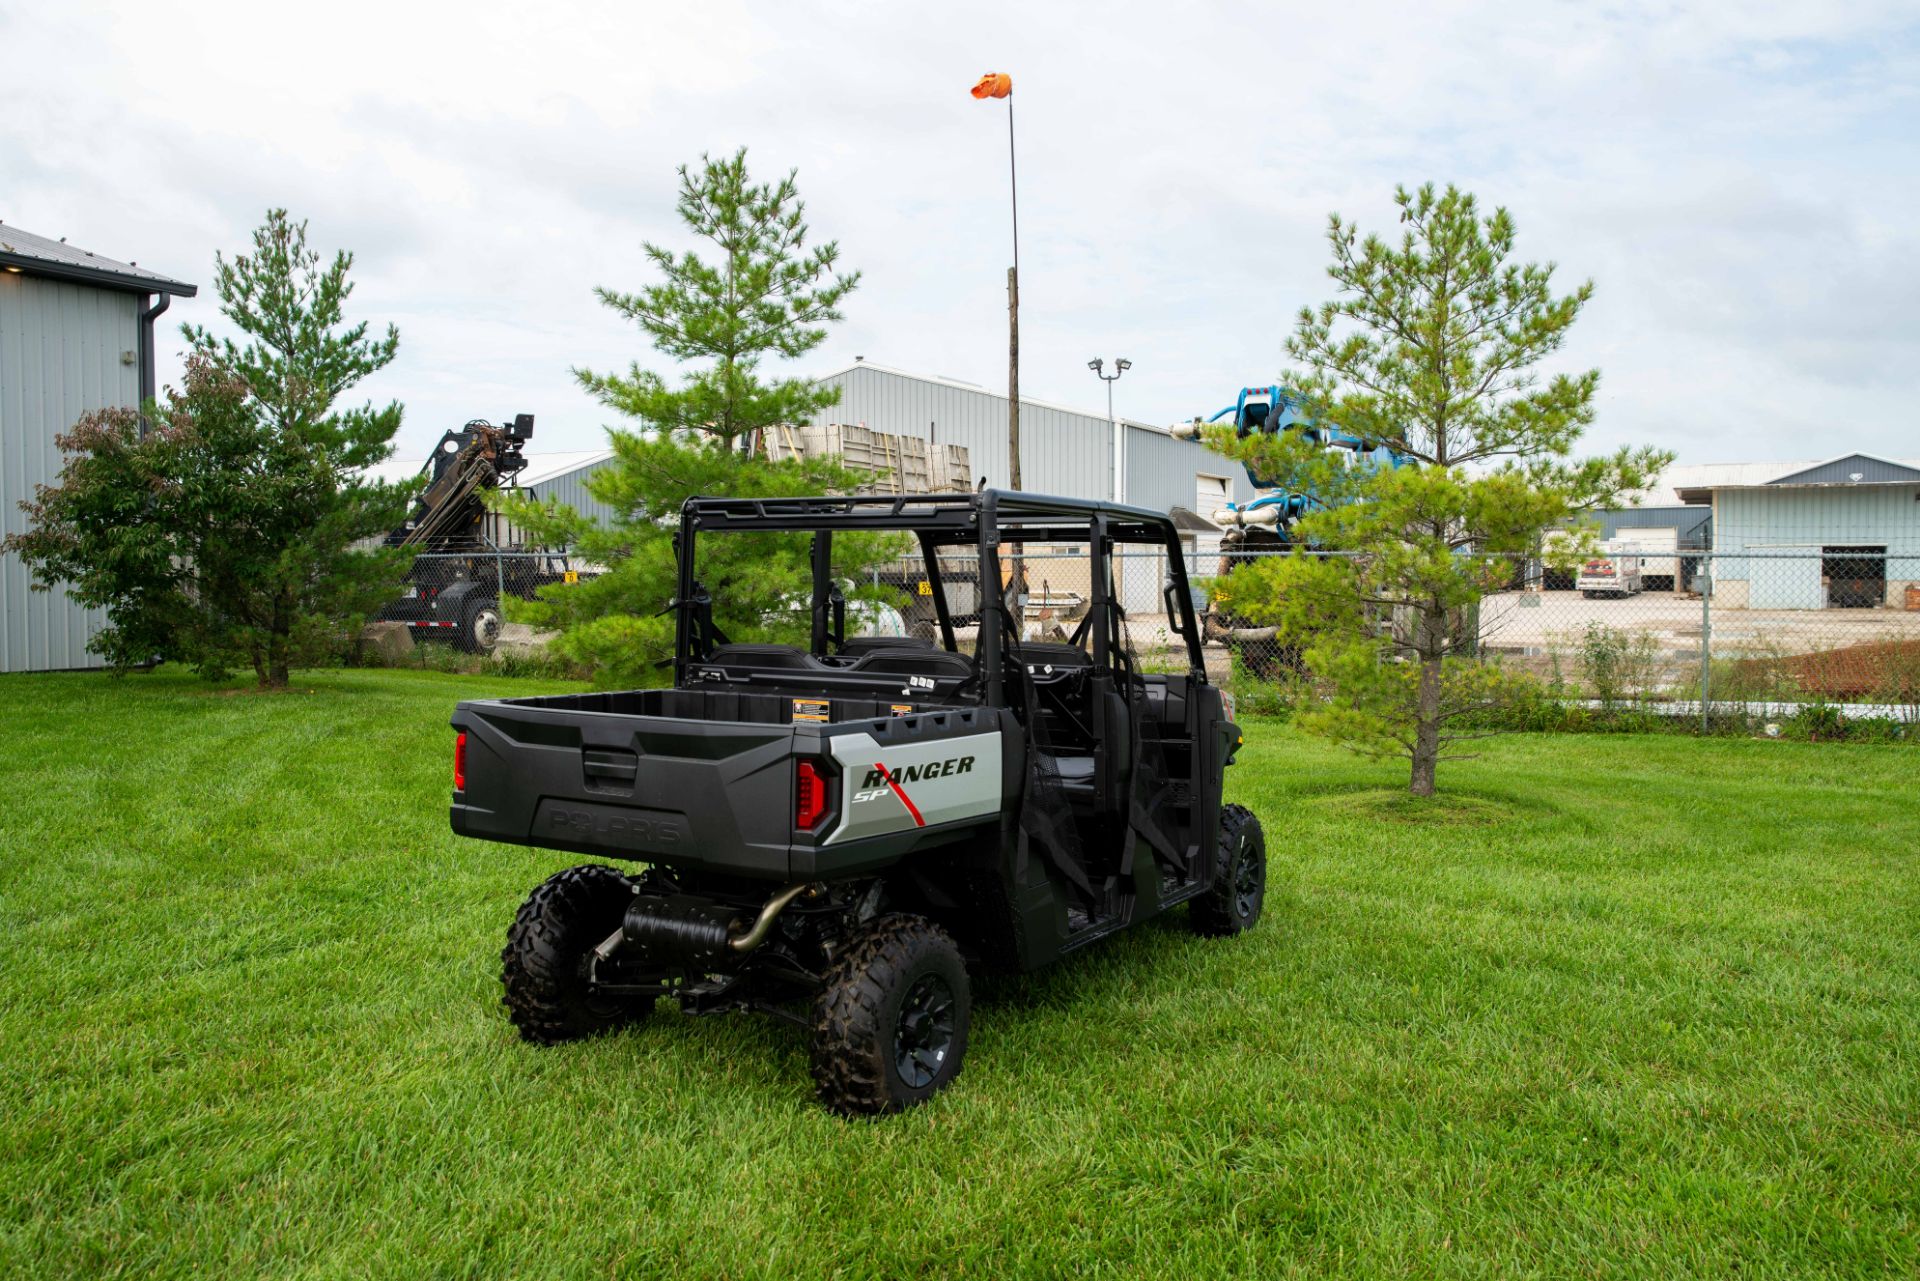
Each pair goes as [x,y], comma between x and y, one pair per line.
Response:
[890,1028]
[1232,905]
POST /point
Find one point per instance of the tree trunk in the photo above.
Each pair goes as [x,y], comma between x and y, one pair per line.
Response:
[1426,711]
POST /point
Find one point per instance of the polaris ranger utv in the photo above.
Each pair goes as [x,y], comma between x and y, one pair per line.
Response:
[838,834]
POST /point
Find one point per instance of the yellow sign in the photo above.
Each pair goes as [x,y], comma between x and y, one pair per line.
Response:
[926,588]
[571,576]
[811,709]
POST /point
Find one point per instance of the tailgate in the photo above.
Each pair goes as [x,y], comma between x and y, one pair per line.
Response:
[655,788]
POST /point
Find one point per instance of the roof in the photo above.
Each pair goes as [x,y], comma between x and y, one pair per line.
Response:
[1697,483]
[939,380]
[24,252]
[950,518]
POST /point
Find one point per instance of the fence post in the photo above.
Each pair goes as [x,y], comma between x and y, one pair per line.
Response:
[1706,639]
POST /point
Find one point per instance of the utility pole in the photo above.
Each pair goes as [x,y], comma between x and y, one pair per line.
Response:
[1120,366]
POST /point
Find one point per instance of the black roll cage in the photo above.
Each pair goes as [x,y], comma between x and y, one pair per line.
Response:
[984,520]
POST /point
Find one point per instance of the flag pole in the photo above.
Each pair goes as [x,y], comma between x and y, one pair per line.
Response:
[1013,310]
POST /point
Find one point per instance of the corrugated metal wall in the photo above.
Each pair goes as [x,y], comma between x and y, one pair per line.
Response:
[63,354]
[1837,516]
[570,488]
[1061,451]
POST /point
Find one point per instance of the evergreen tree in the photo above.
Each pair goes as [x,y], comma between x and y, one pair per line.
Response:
[766,293]
[1432,347]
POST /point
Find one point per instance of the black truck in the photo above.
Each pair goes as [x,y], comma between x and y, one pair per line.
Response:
[452,591]
[838,833]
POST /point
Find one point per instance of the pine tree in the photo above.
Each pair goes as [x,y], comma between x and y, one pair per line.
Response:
[766,294]
[1432,348]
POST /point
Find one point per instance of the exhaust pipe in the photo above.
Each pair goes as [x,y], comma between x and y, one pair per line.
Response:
[685,931]
[763,924]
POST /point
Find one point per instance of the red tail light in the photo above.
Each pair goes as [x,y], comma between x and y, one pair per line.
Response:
[809,796]
[460,762]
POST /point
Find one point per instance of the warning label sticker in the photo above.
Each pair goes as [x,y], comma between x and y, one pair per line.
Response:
[901,709]
[811,709]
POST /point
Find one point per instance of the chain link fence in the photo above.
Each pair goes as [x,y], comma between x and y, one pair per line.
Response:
[1758,637]
[1749,638]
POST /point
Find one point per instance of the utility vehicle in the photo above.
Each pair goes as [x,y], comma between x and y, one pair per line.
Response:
[841,833]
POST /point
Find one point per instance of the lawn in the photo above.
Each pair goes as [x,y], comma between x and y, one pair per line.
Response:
[1613,1007]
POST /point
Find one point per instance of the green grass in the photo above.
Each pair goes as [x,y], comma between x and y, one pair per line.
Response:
[1614,1007]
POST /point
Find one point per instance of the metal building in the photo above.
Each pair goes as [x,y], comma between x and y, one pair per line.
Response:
[1062,450]
[1843,533]
[76,335]
[1836,533]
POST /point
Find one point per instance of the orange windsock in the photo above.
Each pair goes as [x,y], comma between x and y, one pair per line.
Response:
[994,84]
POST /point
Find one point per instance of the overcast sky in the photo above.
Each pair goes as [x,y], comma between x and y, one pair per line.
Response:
[1740,181]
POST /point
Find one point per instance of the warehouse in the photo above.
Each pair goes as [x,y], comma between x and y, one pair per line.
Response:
[76,335]
[1062,450]
[1838,533]
[1843,533]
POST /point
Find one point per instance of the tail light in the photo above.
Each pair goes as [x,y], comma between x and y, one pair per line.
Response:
[460,762]
[809,796]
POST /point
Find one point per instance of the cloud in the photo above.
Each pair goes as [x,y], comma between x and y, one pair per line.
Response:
[1736,179]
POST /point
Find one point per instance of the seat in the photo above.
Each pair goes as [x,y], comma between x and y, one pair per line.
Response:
[781,658]
[855,646]
[896,660]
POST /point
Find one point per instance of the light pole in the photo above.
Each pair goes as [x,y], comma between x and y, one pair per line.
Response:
[1099,367]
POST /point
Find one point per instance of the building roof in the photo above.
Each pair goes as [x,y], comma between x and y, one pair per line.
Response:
[940,380]
[24,252]
[1697,483]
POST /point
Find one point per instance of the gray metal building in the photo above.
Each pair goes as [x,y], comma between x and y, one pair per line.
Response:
[1062,450]
[76,335]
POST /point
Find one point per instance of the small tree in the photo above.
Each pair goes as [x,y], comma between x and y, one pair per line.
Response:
[1431,348]
[767,293]
[227,534]
[198,536]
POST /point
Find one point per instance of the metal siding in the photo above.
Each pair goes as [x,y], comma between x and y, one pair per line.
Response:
[1062,451]
[570,488]
[1887,515]
[60,359]
[1841,471]
[1688,522]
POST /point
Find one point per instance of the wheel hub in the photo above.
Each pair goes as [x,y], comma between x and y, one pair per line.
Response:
[924,1036]
[1246,881]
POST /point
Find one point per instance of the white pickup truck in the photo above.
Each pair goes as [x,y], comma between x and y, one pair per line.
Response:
[1610,575]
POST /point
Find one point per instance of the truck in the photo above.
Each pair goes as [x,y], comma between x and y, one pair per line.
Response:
[452,590]
[1609,574]
[842,831]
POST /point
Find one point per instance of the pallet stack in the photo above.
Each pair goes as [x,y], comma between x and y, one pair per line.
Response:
[894,464]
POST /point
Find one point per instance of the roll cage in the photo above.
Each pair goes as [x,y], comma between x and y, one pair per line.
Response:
[986,522]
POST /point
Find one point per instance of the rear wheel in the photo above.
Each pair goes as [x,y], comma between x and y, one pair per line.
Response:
[890,1029]
[1239,891]
[544,965]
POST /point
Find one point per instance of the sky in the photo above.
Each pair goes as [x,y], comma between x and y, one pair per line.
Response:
[1739,181]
